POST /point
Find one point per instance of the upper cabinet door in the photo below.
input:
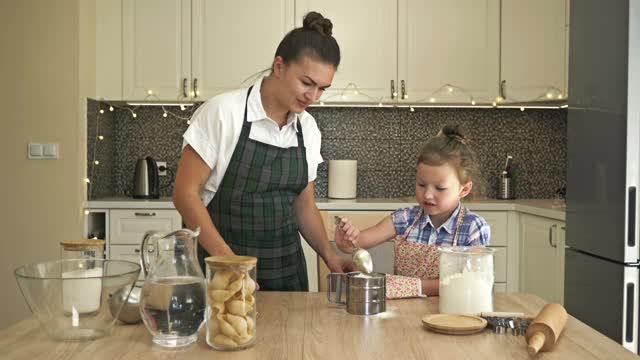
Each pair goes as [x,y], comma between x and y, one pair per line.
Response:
[534,49]
[452,42]
[156,48]
[234,41]
[366,31]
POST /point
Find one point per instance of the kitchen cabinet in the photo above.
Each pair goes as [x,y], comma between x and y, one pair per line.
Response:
[128,226]
[402,51]
[534,49]
[186,49]
[542,260]
[366,31]
[234,41]
[505,260]
[156,48]
[448,42]
[408,49]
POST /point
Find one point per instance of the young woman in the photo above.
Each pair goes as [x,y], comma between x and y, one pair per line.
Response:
[250,158]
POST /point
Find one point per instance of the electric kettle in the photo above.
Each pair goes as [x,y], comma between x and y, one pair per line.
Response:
[145,179]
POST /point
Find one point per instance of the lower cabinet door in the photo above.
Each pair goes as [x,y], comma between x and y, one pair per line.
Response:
[312,264]
[500,287]
[500,264]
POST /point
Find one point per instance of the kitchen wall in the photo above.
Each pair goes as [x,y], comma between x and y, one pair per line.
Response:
[385,141]
[46,68]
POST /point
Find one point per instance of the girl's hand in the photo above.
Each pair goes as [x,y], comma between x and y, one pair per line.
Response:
[346,235]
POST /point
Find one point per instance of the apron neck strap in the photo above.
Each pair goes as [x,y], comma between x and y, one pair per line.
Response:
[458,222]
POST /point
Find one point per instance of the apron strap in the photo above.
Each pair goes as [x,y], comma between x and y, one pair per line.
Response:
[415,221]
[458,222]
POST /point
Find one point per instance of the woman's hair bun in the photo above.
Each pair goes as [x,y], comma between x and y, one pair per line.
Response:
[454,132]
[315,21]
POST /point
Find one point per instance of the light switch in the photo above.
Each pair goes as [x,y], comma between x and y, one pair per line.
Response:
[35,151]
[50,151]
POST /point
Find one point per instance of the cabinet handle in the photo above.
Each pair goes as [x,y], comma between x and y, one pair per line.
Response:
[393,90]
[145,214]
[551,228]
[403,90]
[137,251]
[195,87]
[185,81]
[503,84]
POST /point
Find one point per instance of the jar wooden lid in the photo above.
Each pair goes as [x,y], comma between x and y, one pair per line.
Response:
[231,260]
[72,244]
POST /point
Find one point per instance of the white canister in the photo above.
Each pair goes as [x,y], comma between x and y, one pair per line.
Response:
[466,280]
[342,179]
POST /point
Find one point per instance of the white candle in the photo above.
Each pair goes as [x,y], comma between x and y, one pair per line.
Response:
[79,294]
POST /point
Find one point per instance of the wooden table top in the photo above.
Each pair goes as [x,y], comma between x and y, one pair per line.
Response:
[305,326]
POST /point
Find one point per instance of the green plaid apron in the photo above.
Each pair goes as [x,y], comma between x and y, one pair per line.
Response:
[253,209]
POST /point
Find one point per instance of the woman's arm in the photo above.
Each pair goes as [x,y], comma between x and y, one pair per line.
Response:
[313,231]
[191,176]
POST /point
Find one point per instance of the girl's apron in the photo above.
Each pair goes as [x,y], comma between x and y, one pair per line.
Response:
[418,260]
[253,209]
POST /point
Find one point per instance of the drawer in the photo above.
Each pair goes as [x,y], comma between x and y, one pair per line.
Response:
[129,226]
[500,264]
[499,287]
[498,222]
[128,253]
[361,219]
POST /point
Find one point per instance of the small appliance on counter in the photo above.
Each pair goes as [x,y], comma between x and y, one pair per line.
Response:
[505,185]
[342,179]
[145,179]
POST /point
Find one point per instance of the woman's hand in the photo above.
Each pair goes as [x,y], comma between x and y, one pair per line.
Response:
[346,235]
[336,264]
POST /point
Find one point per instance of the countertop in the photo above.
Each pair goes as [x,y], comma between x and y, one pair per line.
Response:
[540,207]
[305,326]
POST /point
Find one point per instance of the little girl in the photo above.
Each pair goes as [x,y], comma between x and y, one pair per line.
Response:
[444,175]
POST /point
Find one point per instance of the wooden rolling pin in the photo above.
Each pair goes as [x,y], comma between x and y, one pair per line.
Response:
[545,329]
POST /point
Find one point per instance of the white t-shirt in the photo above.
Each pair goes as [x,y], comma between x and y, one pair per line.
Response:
[216,125]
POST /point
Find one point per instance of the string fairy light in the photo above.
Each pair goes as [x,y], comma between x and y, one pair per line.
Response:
[550,93]
[132,110]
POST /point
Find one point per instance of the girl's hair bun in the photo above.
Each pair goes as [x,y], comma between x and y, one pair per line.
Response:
[454,132]
[315,21]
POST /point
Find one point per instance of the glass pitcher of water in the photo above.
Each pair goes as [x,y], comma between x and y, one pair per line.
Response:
[173,301]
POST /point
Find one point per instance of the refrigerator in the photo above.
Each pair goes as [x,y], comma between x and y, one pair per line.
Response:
[603,134]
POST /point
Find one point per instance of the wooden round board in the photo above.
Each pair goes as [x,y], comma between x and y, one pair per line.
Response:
[454,324]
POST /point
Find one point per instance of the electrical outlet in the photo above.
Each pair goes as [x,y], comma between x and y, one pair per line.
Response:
[162,164]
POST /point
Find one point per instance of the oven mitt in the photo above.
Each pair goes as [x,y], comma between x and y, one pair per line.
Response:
[399,287]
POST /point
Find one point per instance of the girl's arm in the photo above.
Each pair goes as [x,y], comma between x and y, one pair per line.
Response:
[346,233]
[430,287]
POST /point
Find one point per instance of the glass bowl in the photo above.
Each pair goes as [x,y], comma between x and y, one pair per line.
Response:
[70,298]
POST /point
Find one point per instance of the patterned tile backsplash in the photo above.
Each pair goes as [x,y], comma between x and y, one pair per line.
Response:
[385,141]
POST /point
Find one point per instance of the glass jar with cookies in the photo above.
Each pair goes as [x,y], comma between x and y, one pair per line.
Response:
[231,303]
